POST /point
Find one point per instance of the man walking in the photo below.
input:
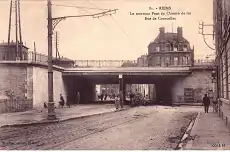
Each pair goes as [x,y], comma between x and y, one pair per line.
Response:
[206,102]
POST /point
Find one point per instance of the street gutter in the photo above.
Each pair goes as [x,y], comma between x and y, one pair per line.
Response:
[185,139]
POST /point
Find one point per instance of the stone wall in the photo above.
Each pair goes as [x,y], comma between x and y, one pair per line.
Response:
[200,81]
[22,81]
[13,81]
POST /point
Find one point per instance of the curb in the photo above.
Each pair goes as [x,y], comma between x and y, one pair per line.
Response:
[190,142]
[58,120]
[187,133]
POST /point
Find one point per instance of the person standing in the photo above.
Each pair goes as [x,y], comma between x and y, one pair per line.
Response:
[105,97]
[206,102]
[62,101]
[78,98]
[117,102]
[121,99]
[96,98]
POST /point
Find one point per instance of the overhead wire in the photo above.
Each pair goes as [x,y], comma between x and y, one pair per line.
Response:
[120,27]
[84,9]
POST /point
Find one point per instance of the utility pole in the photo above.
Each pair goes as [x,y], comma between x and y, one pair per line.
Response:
[16,28]
[20,31]
[34,52]
[17,55]
[8,53]
[52,23]
[51,111]
[57,43]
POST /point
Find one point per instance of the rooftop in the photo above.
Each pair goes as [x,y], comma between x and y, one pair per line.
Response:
[170,37]
[4,44]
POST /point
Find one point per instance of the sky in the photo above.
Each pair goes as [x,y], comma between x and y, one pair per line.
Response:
[120,36]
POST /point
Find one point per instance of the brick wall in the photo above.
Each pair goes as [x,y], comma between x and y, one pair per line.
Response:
[200,81]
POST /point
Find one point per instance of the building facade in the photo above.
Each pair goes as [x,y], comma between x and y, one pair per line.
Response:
[8,51]
[221,19]
[142,61]
[170,49]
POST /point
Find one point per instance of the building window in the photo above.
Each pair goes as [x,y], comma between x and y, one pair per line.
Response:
[185,48]
[175,48]
[185,60]
[175,61]
[162,47]
[180,60]
[180,47]
[167,60]
[167,47]
[157,48]
[158,60]
[162,61]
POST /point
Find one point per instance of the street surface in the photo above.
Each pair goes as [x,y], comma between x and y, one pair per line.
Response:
[153,127]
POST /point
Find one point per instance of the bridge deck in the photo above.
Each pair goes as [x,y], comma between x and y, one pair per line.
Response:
[128,71]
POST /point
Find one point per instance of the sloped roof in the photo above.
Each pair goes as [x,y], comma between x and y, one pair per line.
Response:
[170,37]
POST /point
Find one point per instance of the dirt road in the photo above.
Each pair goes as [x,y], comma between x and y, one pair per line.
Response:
[151,127]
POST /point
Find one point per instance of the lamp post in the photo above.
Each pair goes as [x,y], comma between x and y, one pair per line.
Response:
[52,23]
[51,111]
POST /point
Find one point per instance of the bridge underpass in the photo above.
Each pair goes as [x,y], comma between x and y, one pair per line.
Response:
[86,85]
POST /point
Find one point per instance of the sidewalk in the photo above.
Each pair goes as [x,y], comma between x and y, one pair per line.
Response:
[209,133]
[39,116]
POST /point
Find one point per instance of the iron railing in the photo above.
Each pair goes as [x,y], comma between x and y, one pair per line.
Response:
[24,56]
[15,105]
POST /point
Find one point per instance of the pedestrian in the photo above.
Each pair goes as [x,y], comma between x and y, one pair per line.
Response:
[105,96]
[101,97]
[131,96]
[96,98]
[62,101]
[121,99]
[78,98]
[206,102]
[117,102]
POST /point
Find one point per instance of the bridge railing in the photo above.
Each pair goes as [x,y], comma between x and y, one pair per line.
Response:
[204,62]
[105,63]
[24,56]
[42,58]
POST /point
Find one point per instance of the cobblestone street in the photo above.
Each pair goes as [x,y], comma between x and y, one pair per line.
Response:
[135,128]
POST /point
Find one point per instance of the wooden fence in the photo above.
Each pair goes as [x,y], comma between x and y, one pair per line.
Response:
[9,105]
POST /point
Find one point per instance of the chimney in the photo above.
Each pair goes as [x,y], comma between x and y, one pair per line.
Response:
[179,33]
[162,33]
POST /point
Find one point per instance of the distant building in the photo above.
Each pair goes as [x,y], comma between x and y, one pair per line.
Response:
[8,52]
[142,61]
[170,49]
[63,62]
